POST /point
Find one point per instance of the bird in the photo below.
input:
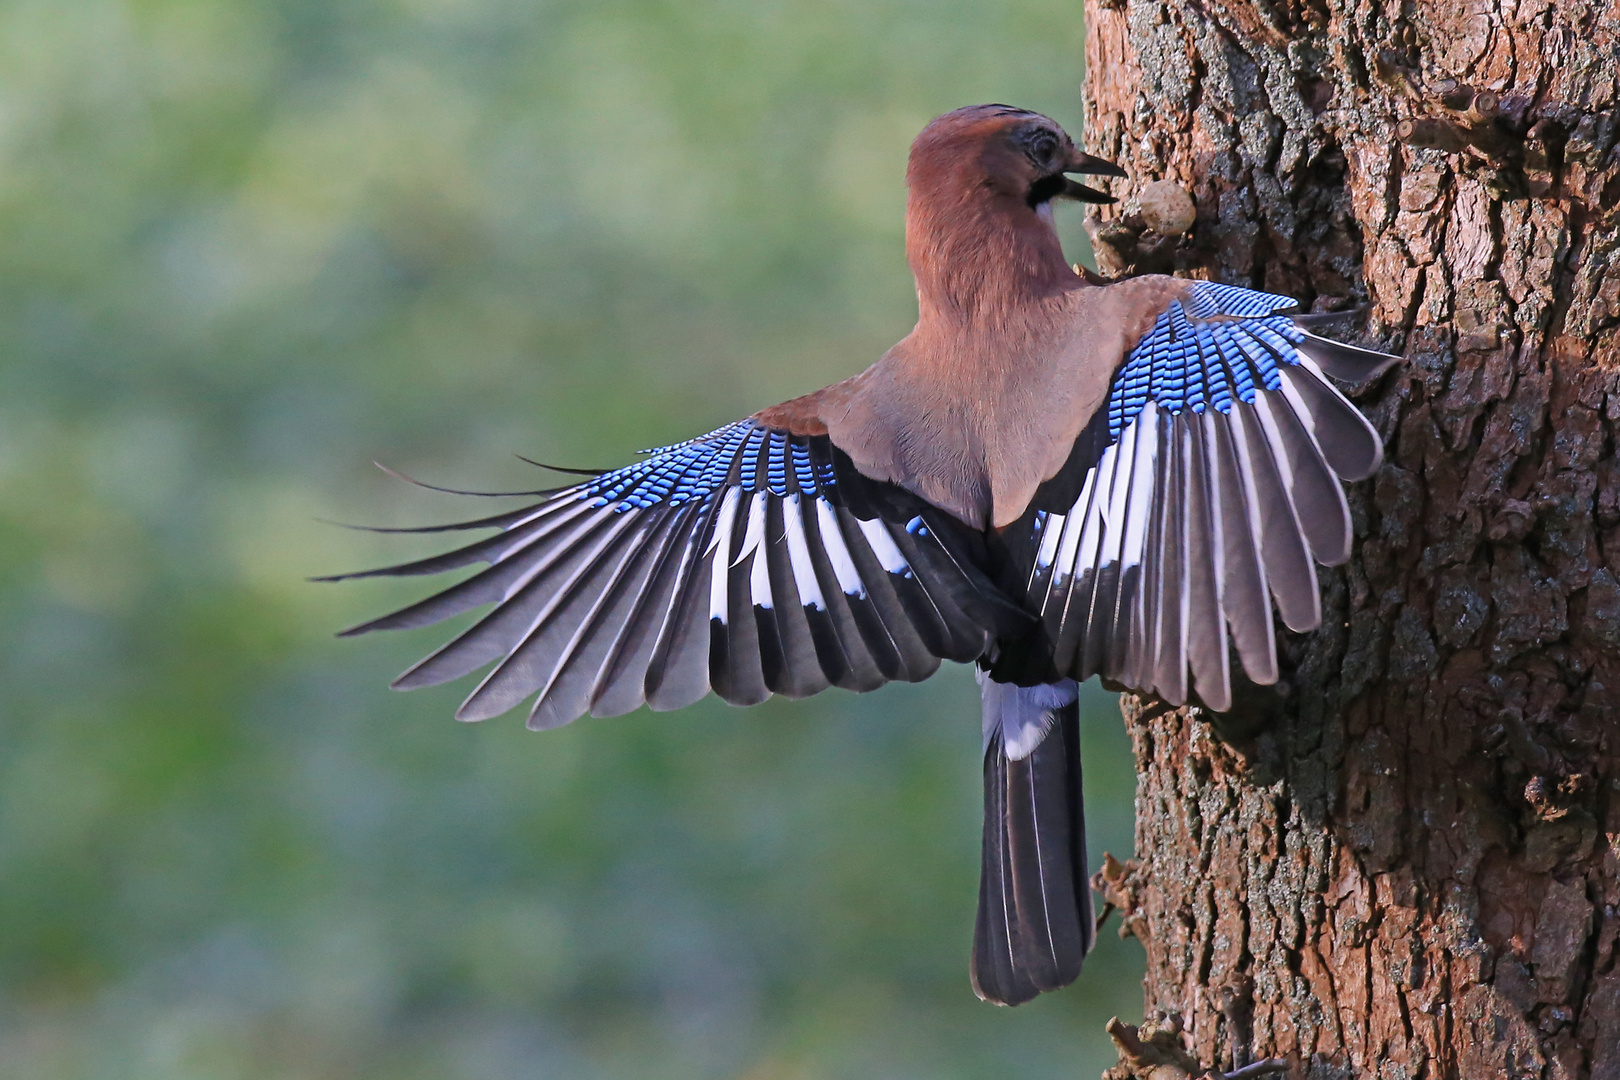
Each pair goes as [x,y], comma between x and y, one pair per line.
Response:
[1051,477]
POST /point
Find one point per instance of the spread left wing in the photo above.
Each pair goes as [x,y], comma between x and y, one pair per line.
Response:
[727,562]
[1216,490]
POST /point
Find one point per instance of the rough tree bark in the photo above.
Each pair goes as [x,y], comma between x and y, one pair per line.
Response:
[1405,860]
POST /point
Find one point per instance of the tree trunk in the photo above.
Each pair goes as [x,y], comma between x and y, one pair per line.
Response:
[1403,861]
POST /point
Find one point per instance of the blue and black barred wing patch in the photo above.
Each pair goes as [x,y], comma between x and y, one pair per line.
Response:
[1218,490]
[727,562]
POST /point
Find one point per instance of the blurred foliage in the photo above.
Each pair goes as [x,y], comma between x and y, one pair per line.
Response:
[245,248]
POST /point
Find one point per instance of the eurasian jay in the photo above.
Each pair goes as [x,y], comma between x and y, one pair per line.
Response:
[1048,478]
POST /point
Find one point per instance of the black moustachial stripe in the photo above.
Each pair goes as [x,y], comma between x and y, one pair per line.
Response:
[1046,189]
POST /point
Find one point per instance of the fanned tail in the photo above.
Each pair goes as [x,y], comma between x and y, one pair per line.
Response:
[1035,923]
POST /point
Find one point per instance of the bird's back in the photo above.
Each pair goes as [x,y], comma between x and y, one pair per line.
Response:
[973,416]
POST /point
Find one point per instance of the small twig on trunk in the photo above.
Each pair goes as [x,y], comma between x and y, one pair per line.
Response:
[1155,1051]
[1237,1005]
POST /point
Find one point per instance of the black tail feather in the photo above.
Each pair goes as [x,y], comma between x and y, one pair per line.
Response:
[1035,923]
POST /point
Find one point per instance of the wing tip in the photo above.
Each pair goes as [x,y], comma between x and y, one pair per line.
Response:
[406,682]
[1353,364]
[1372,467]
[381,622]
[397,475]
[472,710]
[543,717]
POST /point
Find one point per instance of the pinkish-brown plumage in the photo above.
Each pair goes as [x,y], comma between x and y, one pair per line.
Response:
[1013,350]
[973,414]
[1049,477]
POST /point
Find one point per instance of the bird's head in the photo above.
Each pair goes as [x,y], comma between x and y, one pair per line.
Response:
[981,182]
[1003,152]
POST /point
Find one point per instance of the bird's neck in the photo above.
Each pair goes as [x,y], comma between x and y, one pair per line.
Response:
[981,260]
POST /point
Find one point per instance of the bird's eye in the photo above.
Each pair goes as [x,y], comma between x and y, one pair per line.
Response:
[1042,146]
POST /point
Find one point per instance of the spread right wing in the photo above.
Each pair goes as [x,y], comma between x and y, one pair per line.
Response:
[727,562]
[1215,489]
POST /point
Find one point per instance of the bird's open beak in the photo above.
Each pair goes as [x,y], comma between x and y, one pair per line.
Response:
[1086,165]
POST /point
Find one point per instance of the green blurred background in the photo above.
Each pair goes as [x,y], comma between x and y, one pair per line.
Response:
[248,247]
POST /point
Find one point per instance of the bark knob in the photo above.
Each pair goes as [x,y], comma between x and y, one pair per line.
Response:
[1166,209]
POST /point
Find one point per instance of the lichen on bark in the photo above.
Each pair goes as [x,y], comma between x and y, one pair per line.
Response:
[1407,855]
